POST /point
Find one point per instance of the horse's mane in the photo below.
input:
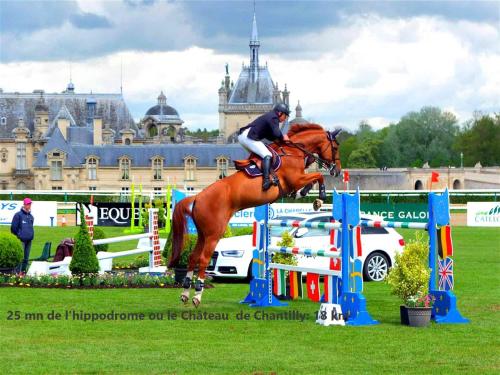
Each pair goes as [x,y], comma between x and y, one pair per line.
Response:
[298,128]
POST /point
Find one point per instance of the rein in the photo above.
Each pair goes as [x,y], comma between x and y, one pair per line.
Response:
[325,164]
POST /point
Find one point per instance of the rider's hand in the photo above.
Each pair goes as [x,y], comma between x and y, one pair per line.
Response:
[285,138]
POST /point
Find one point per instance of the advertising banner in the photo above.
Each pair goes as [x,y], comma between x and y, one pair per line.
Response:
[483,214]
[247,217]
[405,212]
[45,213]
[110,214]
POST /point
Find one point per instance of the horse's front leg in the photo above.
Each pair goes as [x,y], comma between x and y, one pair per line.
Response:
[307,180]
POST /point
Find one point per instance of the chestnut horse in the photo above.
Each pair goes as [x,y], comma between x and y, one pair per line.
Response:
[212,208]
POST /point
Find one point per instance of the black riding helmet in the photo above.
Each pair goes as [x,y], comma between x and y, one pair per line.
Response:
[283,108]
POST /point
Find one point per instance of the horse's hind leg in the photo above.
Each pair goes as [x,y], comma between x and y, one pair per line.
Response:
[205,257]
[193,261]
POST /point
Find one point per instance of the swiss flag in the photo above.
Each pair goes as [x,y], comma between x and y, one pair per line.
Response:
[335,264]
[435,177]
[313,286]
[346,176]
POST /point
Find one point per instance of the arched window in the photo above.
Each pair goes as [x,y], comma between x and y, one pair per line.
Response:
[157,168]
[125,168]
[3,121]
[152,131]
[457,185]
[419,185]
[127,141]
[190,168]
[92,168]
[222,167]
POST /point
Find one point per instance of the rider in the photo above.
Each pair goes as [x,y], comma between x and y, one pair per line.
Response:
[265,126]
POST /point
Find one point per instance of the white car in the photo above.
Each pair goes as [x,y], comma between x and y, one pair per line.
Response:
[232,257]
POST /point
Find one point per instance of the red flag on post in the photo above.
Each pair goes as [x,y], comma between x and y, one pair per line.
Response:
[435,177]
[346,176]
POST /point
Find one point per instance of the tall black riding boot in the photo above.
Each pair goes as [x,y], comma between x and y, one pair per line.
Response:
[266,166]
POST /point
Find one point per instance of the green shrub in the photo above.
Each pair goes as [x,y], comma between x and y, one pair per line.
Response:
[84,260]
[410,275]
[189,244]
[282,258]
[11,251]
[99,235]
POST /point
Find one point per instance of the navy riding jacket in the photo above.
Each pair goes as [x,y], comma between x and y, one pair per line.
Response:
[22,226]
[266,126]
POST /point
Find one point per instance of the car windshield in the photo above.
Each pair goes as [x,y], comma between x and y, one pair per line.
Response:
[278,231]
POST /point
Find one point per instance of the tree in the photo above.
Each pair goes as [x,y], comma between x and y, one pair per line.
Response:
[480,141]
[362,158]
[84,258]
[427,135]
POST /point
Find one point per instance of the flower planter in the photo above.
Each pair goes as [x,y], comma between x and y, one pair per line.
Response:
[419,316]
[8,270]
[403,312]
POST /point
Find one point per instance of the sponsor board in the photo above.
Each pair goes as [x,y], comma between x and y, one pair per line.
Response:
[45,213]
[405,212]
[247,216]
[483,214]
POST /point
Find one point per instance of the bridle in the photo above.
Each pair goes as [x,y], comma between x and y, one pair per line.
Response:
[328,165]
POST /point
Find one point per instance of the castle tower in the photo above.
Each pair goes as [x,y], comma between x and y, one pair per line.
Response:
[253,94]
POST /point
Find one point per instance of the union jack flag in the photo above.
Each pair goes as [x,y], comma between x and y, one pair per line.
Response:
[445,274]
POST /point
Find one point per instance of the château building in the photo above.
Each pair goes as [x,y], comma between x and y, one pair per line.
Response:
[253,94]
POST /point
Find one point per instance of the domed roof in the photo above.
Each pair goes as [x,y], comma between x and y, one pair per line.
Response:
[162,109]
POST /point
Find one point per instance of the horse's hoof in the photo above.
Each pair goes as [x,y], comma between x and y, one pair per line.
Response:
[184,299]
[196,302]
[317,204]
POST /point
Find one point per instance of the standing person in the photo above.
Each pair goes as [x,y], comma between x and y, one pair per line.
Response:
[267,127]
[22,228]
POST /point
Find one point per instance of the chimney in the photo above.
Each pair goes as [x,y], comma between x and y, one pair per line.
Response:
[63,125]
[97,121]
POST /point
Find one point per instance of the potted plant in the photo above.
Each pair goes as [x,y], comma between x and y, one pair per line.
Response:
[11,253]
[283,258]
[409,280]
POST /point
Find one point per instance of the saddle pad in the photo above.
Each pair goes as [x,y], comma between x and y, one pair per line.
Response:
[252,166]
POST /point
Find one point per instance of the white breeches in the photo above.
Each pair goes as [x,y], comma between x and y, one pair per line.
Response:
[253,146]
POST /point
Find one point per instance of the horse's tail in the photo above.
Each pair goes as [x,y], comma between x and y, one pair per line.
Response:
[179,228]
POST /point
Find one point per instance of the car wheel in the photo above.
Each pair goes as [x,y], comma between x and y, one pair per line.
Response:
[376,267]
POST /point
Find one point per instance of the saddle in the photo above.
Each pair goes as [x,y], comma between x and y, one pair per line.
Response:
[253,165]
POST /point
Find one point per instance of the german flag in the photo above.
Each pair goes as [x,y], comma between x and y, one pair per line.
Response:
[445,246]
[295,284]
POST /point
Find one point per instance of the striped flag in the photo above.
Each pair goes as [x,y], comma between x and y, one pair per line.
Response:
[335,237]
[356,242]
[445,245]
[332,289]
[312,282]
[445,274]
[295,284]
[279,282]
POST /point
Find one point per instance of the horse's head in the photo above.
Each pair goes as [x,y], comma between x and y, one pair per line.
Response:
[330,152]
[316,140]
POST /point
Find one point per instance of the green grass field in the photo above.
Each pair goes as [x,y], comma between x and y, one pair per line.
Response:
[253,346]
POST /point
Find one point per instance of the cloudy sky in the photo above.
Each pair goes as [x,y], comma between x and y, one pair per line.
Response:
[345,61]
